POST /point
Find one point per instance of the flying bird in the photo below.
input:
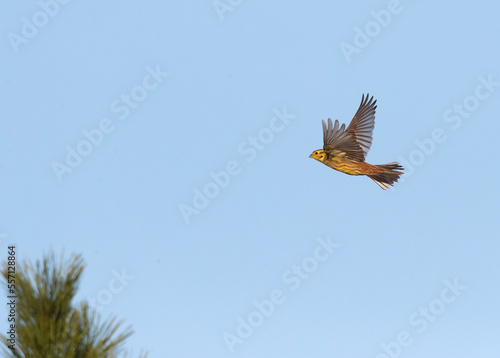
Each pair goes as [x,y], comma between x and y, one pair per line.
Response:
[345,149]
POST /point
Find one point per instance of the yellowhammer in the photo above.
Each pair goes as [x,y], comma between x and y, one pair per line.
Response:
[345,149]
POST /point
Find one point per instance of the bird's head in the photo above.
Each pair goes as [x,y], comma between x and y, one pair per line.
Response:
[319,155]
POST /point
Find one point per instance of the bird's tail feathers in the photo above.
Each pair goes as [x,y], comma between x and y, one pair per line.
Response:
[388,175]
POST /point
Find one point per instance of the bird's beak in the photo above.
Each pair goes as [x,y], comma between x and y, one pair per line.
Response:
[311,156]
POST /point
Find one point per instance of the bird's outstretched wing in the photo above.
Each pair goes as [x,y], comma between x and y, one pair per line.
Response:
[337,142]
[355,141]
[361,126]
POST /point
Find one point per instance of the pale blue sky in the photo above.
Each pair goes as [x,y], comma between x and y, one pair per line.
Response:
[172,93]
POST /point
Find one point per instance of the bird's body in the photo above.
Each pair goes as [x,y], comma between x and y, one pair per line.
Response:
[344,149]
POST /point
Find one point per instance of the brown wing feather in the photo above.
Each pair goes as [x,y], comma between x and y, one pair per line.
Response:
[337,142]
[361,126]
